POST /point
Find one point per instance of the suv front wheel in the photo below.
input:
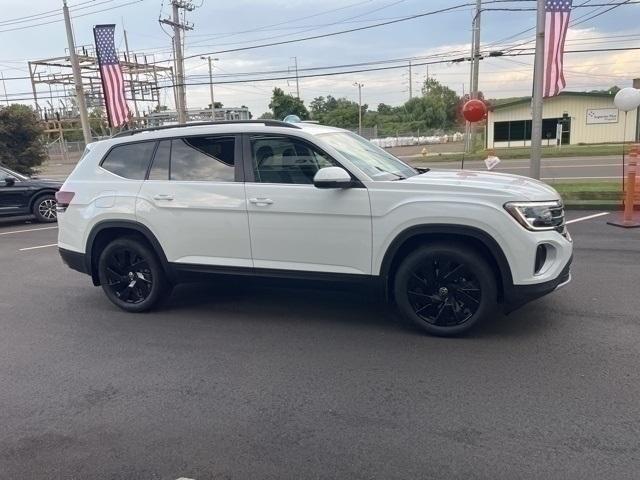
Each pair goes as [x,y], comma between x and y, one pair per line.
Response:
[445,289]
[131,275]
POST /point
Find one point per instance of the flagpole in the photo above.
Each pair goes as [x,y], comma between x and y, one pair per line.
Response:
[536,99]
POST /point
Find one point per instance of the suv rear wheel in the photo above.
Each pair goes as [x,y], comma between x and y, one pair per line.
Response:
[44,209]
[445,289]
[131,275]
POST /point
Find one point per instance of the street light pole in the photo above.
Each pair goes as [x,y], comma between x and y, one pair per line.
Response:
[213,103]
[359,85]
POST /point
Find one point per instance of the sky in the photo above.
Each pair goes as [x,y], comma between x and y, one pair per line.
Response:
[222,25]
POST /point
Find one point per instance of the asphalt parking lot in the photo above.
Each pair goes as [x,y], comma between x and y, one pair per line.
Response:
[237,381]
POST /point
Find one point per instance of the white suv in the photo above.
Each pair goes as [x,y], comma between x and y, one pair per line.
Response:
[151,208]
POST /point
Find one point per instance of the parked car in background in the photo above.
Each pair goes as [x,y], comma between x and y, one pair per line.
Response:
[23,195]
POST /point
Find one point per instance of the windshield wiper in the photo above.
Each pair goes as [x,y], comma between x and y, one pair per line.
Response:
[397,175]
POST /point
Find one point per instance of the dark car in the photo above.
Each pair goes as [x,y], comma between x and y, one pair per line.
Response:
[22,195]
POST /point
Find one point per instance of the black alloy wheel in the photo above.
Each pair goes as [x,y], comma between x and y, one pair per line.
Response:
[130,275]
[445,289]
[443,292]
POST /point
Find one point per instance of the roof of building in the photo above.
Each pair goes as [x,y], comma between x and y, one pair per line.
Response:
[509,102]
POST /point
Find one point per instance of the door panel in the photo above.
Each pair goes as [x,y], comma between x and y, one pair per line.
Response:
[197,221]
[294,225]
[14,199]
[301,227]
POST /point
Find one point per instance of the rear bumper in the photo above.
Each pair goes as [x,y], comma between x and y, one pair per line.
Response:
[74,260]
[520,295]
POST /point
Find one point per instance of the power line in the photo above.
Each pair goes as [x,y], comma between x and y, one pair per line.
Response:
[75,16]
[342,32]
[374,69]
[35,15]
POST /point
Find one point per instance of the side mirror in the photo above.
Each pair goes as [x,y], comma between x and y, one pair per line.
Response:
[9,181]
[332,177]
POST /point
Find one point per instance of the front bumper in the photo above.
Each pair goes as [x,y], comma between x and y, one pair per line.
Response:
[519,295]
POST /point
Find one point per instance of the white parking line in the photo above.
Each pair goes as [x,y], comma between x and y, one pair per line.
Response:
[29,230]
[39,246]
[588,217]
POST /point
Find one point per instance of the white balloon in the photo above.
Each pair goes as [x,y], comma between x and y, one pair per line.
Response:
[627,99]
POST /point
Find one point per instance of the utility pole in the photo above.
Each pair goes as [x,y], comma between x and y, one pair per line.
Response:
[476,50]
[536,99]
[178,28]
[410,81]
[77,78]
[359,85]
[131,84]
[474,69]
[4,87]
[295,60]
[213,103]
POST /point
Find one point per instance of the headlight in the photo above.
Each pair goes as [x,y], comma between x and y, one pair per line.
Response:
[538,215]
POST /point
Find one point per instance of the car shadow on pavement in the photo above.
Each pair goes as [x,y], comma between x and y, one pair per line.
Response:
[351,306]
[20,221]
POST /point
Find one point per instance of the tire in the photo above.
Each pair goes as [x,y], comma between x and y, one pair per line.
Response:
[131,275]
[445,289]
[44,209]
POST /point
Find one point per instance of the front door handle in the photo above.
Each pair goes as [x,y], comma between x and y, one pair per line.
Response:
[261,202]
[163,197]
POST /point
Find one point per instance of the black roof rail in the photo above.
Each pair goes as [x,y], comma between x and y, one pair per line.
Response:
[268,123]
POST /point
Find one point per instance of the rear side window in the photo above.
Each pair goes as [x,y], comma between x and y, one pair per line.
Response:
[129,160]
[203,159]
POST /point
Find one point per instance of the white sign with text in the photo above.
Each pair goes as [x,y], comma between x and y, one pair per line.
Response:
[602,115]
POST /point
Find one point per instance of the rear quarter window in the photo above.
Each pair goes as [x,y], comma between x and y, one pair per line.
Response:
[129,160]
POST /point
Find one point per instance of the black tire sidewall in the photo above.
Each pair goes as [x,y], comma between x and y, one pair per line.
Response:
[159,287]
[474,262]
[36,210]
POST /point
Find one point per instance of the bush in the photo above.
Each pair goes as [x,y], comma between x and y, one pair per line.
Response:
[21,139]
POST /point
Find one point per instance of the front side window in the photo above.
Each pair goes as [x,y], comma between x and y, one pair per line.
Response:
[280,159]
[129,160]
[372,160]
[203,159]
[5,172]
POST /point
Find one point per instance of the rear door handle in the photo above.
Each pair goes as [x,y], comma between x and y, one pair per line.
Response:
[163,197]
[261,201]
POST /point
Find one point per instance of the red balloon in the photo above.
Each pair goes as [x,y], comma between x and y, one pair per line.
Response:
[474,110]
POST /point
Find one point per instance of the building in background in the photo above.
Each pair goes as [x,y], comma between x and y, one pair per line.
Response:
[170,117]
[573,117]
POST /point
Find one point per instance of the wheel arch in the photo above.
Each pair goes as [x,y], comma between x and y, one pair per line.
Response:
[39,194]
[480,240]
[103,232]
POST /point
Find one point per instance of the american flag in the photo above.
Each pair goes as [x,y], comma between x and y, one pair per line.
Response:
[112,80]
[556,24]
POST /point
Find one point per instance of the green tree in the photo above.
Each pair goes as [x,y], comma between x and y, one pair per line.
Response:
[384,109]
[21,138]
[283,104]
[218,105]
[266,116]
[441,96]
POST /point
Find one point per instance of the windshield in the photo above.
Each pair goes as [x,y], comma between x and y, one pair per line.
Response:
[5,172]
[372,160]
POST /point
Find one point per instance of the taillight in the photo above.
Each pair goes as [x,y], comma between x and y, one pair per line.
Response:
[63,199]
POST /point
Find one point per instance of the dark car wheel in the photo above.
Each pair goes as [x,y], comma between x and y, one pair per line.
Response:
[44,209]
[131,275]
[445,289]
